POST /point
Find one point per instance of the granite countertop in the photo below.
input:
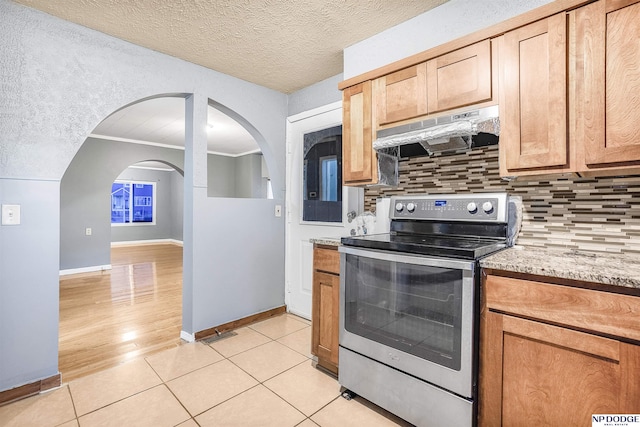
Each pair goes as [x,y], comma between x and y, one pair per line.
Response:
[605,268]
[610,269]
[327,241]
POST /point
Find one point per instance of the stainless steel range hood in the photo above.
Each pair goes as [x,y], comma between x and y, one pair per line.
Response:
[445,133]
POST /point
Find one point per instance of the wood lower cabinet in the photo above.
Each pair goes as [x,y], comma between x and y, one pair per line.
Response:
[325,306]
[555,355]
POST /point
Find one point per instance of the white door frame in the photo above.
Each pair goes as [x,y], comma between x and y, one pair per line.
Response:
[299,250]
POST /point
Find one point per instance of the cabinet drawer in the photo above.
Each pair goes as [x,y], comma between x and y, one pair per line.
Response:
[607,313]
[326,260]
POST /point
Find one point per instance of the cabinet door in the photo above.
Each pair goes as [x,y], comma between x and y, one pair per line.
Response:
[358,158]
[548,375]
[459,78]
[326,294]
[533,106]
[401,95]
[608,82]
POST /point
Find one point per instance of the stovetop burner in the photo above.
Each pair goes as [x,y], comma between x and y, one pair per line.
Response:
[452,226]
[451,247]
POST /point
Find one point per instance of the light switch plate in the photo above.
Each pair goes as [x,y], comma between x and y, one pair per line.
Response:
[278,210]
[10,214]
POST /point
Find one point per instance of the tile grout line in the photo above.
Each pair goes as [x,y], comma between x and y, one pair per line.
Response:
[307,359]
[120,400]
[165,383]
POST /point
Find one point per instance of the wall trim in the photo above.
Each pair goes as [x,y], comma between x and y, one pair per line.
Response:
[172,147]
[216,330]
[147,242]
[91,269]
[30,389]
[314,112]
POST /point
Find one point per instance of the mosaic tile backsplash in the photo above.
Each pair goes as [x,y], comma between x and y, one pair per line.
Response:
[589,214]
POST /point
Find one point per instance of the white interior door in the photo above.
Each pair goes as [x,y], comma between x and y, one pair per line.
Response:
[299,249]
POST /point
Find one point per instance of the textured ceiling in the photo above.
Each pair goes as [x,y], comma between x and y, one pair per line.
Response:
[284,45]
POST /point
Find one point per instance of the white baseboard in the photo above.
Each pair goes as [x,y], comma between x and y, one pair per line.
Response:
[85,269]
[187,336]
[147,242]
[299,313]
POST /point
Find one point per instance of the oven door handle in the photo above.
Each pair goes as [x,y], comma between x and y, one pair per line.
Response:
[409,259]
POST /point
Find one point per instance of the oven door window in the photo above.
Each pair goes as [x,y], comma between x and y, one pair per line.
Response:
[413,308]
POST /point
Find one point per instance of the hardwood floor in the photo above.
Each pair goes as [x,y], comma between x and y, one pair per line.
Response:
[133,310]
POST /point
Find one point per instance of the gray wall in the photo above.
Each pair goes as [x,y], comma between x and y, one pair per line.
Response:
[29,291]
[168,213]
[248,175]
[59,80]
[177,209]
[85,194]
[235,176]
[245,278]
[314,96]
[221,176]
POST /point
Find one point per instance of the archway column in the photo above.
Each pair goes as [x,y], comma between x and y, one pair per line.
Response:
[195,190]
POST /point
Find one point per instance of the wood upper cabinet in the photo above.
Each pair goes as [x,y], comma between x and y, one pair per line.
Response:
[456,79]
[607,84]
[459,78]
[401,95]
[533,97]
[555,355]
[325,307]
[453,80]
[359,162]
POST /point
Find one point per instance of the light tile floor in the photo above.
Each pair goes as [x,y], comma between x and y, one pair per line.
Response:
[262,376]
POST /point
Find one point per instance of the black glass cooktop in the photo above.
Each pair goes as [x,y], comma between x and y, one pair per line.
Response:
[431,245]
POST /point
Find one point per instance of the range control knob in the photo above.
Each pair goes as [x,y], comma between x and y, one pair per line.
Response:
[487,207]
[399,207]
[411,207]
[472,207]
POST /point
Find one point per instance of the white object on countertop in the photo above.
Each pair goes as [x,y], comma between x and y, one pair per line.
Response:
[365,223]
[383,205]
[514,221]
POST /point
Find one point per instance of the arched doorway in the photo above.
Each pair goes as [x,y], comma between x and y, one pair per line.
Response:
[132,134]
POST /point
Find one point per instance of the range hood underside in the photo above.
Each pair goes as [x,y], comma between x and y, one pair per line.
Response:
[482,139]
[445,133]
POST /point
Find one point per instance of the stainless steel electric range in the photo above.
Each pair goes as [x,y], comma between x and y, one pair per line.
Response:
[409,306]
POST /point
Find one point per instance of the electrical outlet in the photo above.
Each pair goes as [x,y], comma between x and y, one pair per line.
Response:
[278,210]
[10,214]
[88,231]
